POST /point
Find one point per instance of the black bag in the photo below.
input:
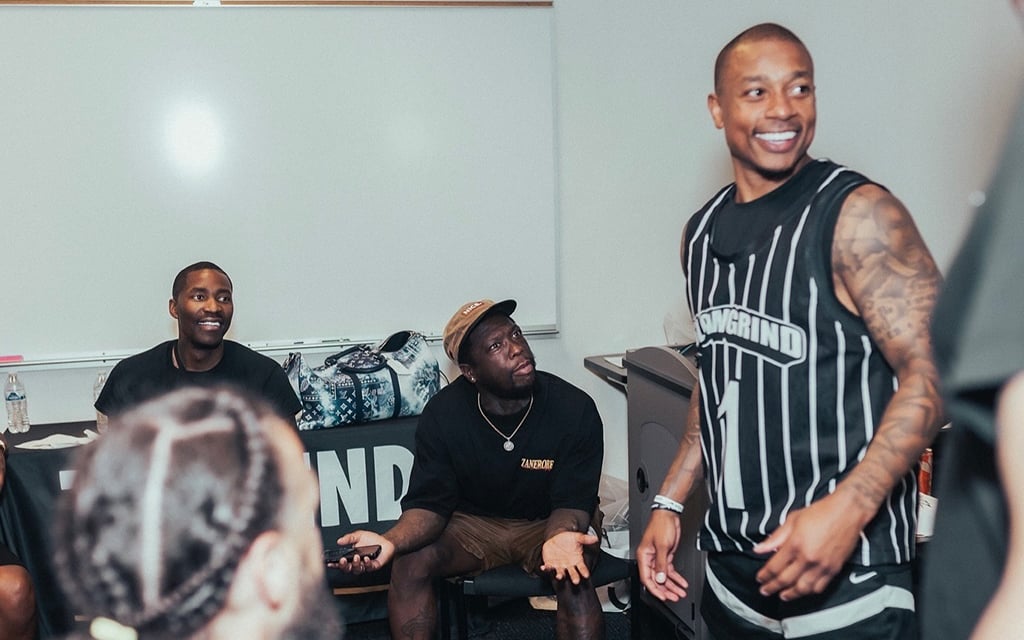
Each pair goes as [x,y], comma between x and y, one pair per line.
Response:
[366,382]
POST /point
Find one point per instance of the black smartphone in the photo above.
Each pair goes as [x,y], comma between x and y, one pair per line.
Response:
[348,552]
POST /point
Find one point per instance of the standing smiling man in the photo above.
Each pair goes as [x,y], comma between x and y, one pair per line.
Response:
[202,303]
[812,293]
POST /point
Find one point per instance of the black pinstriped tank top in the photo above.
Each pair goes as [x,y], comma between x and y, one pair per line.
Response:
[792,386]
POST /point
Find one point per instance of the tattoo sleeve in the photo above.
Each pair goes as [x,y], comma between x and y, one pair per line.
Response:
[883,272]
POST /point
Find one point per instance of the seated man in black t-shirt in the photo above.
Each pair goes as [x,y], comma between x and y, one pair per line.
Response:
[201,301]
[507,466]
[17,597]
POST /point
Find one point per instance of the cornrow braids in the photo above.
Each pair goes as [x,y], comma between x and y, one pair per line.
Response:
[163,508]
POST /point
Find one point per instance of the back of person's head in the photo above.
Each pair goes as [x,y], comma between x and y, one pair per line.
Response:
[164,507]
[179,280]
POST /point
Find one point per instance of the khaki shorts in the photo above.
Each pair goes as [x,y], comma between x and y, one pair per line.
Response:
[501,541]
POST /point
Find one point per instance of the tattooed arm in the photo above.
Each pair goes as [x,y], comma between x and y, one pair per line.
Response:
[882,272]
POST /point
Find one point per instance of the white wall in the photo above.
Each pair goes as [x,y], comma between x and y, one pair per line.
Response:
[914,95]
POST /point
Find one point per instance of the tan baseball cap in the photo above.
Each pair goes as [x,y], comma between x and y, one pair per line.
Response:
[467,317]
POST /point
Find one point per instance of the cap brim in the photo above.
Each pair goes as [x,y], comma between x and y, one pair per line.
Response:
[505,308]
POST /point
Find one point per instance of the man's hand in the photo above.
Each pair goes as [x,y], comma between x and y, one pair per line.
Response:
[654,557]
[563,555]
[364,539]
[810,547]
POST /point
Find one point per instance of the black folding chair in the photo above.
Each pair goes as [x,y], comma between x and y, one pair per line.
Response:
[510,581]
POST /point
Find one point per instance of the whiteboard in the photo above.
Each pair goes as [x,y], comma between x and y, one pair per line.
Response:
[355,170]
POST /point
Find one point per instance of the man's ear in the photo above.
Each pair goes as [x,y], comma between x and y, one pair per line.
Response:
[716,110]
[467,370]
[269,572]
[172,308]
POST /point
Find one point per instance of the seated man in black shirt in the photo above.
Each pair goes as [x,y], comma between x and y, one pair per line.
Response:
[201,301]
[507,466]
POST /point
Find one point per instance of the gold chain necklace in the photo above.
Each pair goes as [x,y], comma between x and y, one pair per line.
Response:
[508,446]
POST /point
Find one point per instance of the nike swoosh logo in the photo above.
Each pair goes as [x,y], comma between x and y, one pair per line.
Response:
[857,578]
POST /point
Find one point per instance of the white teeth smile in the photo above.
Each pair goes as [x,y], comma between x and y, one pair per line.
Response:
[777,136]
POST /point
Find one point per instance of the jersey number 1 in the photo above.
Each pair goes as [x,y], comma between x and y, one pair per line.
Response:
[728,416]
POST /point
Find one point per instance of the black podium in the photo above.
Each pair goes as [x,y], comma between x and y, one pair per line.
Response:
[658,381]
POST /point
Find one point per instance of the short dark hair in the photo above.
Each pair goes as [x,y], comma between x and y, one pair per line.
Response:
[465,356]
[163,508]
[756,33]
[179,280]
[466,348]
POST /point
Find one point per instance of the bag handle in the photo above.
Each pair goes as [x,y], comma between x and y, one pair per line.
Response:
[367,360]
[331,360]
[357,384]
[395,341]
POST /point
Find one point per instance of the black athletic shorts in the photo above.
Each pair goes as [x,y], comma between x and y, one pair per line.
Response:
[861,603]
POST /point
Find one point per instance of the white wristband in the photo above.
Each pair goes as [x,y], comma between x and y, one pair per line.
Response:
[664,502]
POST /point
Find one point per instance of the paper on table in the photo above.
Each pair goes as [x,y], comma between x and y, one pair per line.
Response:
[59,441]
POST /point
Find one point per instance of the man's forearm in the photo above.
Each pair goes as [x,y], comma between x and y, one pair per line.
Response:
[908,426]
[687,467]
[567,520]
[416,528]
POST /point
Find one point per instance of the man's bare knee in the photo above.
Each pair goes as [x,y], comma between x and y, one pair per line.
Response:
[442,559]
[17,597]
[16,586]
[418,567]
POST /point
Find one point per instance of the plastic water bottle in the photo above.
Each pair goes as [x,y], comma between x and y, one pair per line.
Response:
[17,404]
[101,418]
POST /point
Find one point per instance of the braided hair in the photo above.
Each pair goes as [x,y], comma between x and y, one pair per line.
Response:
[163,508]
